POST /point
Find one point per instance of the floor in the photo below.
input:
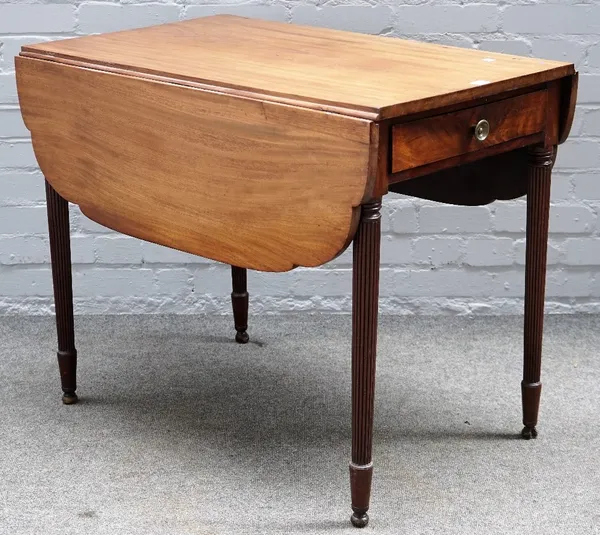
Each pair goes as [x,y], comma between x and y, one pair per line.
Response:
[181,431]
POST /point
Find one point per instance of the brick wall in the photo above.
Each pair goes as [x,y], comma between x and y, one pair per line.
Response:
[436,259]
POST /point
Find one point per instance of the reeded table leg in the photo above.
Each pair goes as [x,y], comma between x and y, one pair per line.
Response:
[541,161]
[239,300]
[365,296]
[60,254]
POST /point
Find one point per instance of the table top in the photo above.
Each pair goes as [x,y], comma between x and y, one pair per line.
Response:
[255,143]
[359,75]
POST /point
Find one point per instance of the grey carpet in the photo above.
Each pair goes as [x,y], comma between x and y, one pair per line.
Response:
[181,431]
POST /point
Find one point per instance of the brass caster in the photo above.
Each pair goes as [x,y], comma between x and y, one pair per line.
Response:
[242,337]
[359,521]
[529,432]
[70,398]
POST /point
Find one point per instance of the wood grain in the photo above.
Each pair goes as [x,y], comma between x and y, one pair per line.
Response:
[379,159]
[425,141]
[553,114]
[252,184]
[355,74]
[464,159]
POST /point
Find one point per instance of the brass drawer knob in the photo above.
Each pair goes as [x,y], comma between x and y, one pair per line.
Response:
[482,130]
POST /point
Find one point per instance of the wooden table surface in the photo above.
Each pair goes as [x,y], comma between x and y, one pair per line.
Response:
[359,75]
[255,143]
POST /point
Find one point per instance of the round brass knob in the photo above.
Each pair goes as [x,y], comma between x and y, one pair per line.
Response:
[482,130]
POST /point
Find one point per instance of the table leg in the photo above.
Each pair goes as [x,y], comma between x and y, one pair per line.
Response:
[239,300]
[541,161]
[60,254]
[365,297]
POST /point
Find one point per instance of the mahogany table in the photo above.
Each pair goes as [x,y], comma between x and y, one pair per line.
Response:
[270,146]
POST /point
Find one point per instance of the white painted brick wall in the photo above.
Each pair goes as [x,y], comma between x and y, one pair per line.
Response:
[435,259]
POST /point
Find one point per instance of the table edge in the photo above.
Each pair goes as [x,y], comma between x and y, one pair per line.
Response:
[391,111]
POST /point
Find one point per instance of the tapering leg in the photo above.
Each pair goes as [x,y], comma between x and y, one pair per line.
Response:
[541,161]
[365,297]
[60,254]
[239,300]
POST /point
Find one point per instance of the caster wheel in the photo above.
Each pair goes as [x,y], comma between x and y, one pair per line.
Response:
[529,432]
[70,398]
[242,338]
[359,521]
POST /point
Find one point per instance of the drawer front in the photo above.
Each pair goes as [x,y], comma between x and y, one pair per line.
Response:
[425,141]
